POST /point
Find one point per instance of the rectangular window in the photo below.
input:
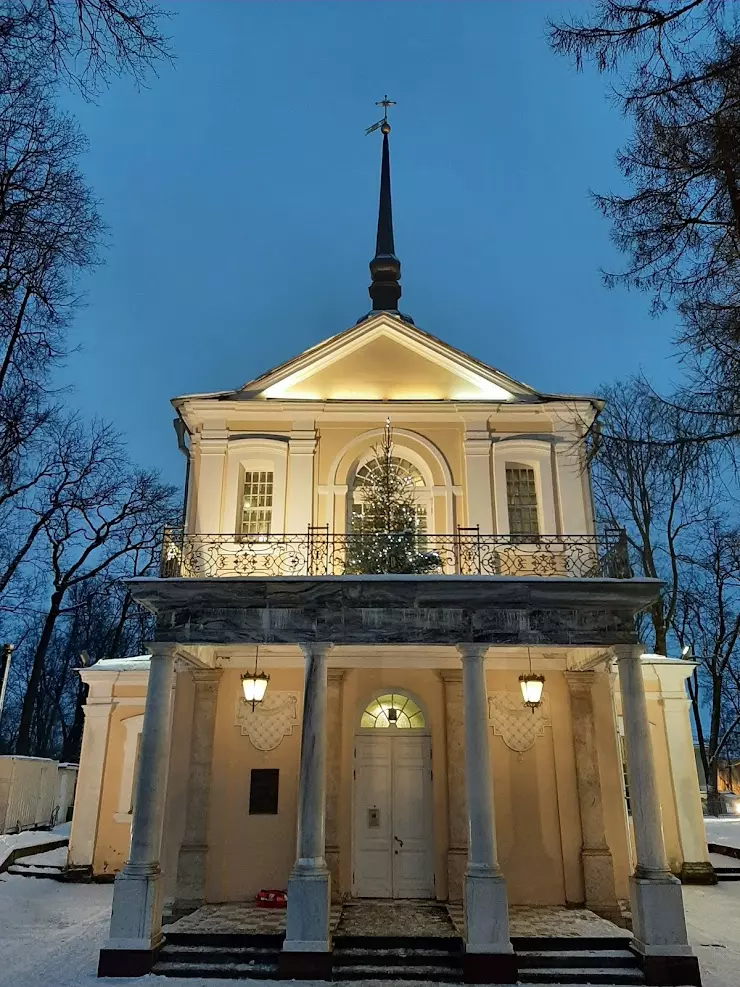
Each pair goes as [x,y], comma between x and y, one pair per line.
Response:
[263,791]
[257,502]
[521,496]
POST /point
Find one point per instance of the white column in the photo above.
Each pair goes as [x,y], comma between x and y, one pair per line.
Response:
[90,781]
[136,916]
[478,486]
[596,858]
[299,500]
[658,923]
[486,907]
[193,856]
[309,887]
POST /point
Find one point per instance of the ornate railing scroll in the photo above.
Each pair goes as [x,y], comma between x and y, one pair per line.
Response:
[319,552]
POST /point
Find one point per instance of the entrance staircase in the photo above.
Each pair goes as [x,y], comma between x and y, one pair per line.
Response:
[570,960]
[434,959]
[228,955]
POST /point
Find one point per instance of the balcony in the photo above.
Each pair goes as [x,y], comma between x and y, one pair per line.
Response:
[318,552]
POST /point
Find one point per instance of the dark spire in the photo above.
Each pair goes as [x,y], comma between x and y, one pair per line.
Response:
[385,267]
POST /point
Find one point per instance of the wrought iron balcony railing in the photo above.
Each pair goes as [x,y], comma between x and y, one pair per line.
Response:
[321,553]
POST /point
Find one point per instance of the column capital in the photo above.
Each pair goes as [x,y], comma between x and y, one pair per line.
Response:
[631,652]
[474,652]
[316,649]
[450,675]
[161,649]
[206,676]
[580,681]
[335,676]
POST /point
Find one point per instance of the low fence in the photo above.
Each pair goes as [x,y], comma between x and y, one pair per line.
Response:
[35,792]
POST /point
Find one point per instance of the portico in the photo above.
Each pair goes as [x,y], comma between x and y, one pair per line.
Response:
[191,613]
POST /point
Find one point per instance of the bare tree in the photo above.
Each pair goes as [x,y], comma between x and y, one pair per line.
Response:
[112,512]
[679,225]
[82,43]
[660,491]
[707,621]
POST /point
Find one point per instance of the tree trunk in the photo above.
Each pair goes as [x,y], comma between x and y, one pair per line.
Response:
[714,802]
[24,744]
[73,740]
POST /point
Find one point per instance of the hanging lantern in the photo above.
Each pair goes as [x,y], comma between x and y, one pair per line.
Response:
[531,686]
[254,684]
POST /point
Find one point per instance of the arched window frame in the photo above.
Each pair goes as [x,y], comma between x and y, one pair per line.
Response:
[423,493]
[408,696]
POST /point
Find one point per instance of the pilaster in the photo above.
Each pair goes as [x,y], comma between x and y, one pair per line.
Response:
[457,812]
[596,858]
[335,689]
[193,856]
[299,499]
[478,477]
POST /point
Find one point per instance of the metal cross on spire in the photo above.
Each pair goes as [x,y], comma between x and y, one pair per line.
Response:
[382,124]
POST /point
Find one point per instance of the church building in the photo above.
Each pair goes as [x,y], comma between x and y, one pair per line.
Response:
[395,686]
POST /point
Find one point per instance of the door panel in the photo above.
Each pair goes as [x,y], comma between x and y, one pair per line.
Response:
[412,824]
[393,816]
[373,873]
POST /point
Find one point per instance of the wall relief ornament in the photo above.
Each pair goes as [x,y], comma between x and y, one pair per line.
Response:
[516,724]
[272,720]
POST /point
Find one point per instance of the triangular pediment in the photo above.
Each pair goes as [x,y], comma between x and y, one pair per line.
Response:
[386,359]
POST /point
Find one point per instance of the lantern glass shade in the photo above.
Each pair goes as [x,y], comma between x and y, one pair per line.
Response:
[255,686]
[532,686]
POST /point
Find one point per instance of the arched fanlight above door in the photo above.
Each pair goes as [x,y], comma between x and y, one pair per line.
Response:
[393,710]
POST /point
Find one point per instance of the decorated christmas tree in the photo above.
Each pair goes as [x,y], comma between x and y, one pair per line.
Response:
[385,534]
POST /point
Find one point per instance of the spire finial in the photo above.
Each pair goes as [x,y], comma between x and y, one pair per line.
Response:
[385,267]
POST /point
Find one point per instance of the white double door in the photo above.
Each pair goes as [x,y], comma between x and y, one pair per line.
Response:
[393,829]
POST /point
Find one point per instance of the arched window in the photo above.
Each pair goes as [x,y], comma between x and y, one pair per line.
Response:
[408,475]
[393,711]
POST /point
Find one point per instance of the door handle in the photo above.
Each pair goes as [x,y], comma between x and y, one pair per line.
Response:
[400,842]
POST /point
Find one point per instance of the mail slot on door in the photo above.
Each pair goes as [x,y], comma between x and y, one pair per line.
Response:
[373,818]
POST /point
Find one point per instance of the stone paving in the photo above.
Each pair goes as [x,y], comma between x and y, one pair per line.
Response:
[396,918]
[240,917]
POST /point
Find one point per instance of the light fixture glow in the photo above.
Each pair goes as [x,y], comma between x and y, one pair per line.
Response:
[254,684]
[685,650]
[531,686]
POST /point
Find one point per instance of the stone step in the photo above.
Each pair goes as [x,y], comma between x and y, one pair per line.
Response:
[346,958]
[230,971]
[577,958]
[390,971]
[580,975]
[225,954]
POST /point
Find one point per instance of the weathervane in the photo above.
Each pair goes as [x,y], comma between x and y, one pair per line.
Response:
[383,124]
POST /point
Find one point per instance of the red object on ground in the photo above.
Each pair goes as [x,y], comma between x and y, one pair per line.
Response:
[271,899]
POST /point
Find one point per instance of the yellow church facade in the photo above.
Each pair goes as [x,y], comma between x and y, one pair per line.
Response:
[337,711]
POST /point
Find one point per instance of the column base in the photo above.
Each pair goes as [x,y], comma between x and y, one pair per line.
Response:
[490,968]
[126,962]
[457,861]
[136,912]
[486,914]
[309,908]
[698,872]
[658,921]
[671,971]
[598,883]
[305,966]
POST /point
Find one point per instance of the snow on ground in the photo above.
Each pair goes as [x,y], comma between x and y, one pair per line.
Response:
[724,830]
[31,837]
[51,933]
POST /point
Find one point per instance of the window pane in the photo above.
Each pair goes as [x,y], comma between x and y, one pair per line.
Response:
[257,503]
[521,495]
[392,711]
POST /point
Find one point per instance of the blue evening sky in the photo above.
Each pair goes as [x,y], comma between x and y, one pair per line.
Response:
[241,195]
